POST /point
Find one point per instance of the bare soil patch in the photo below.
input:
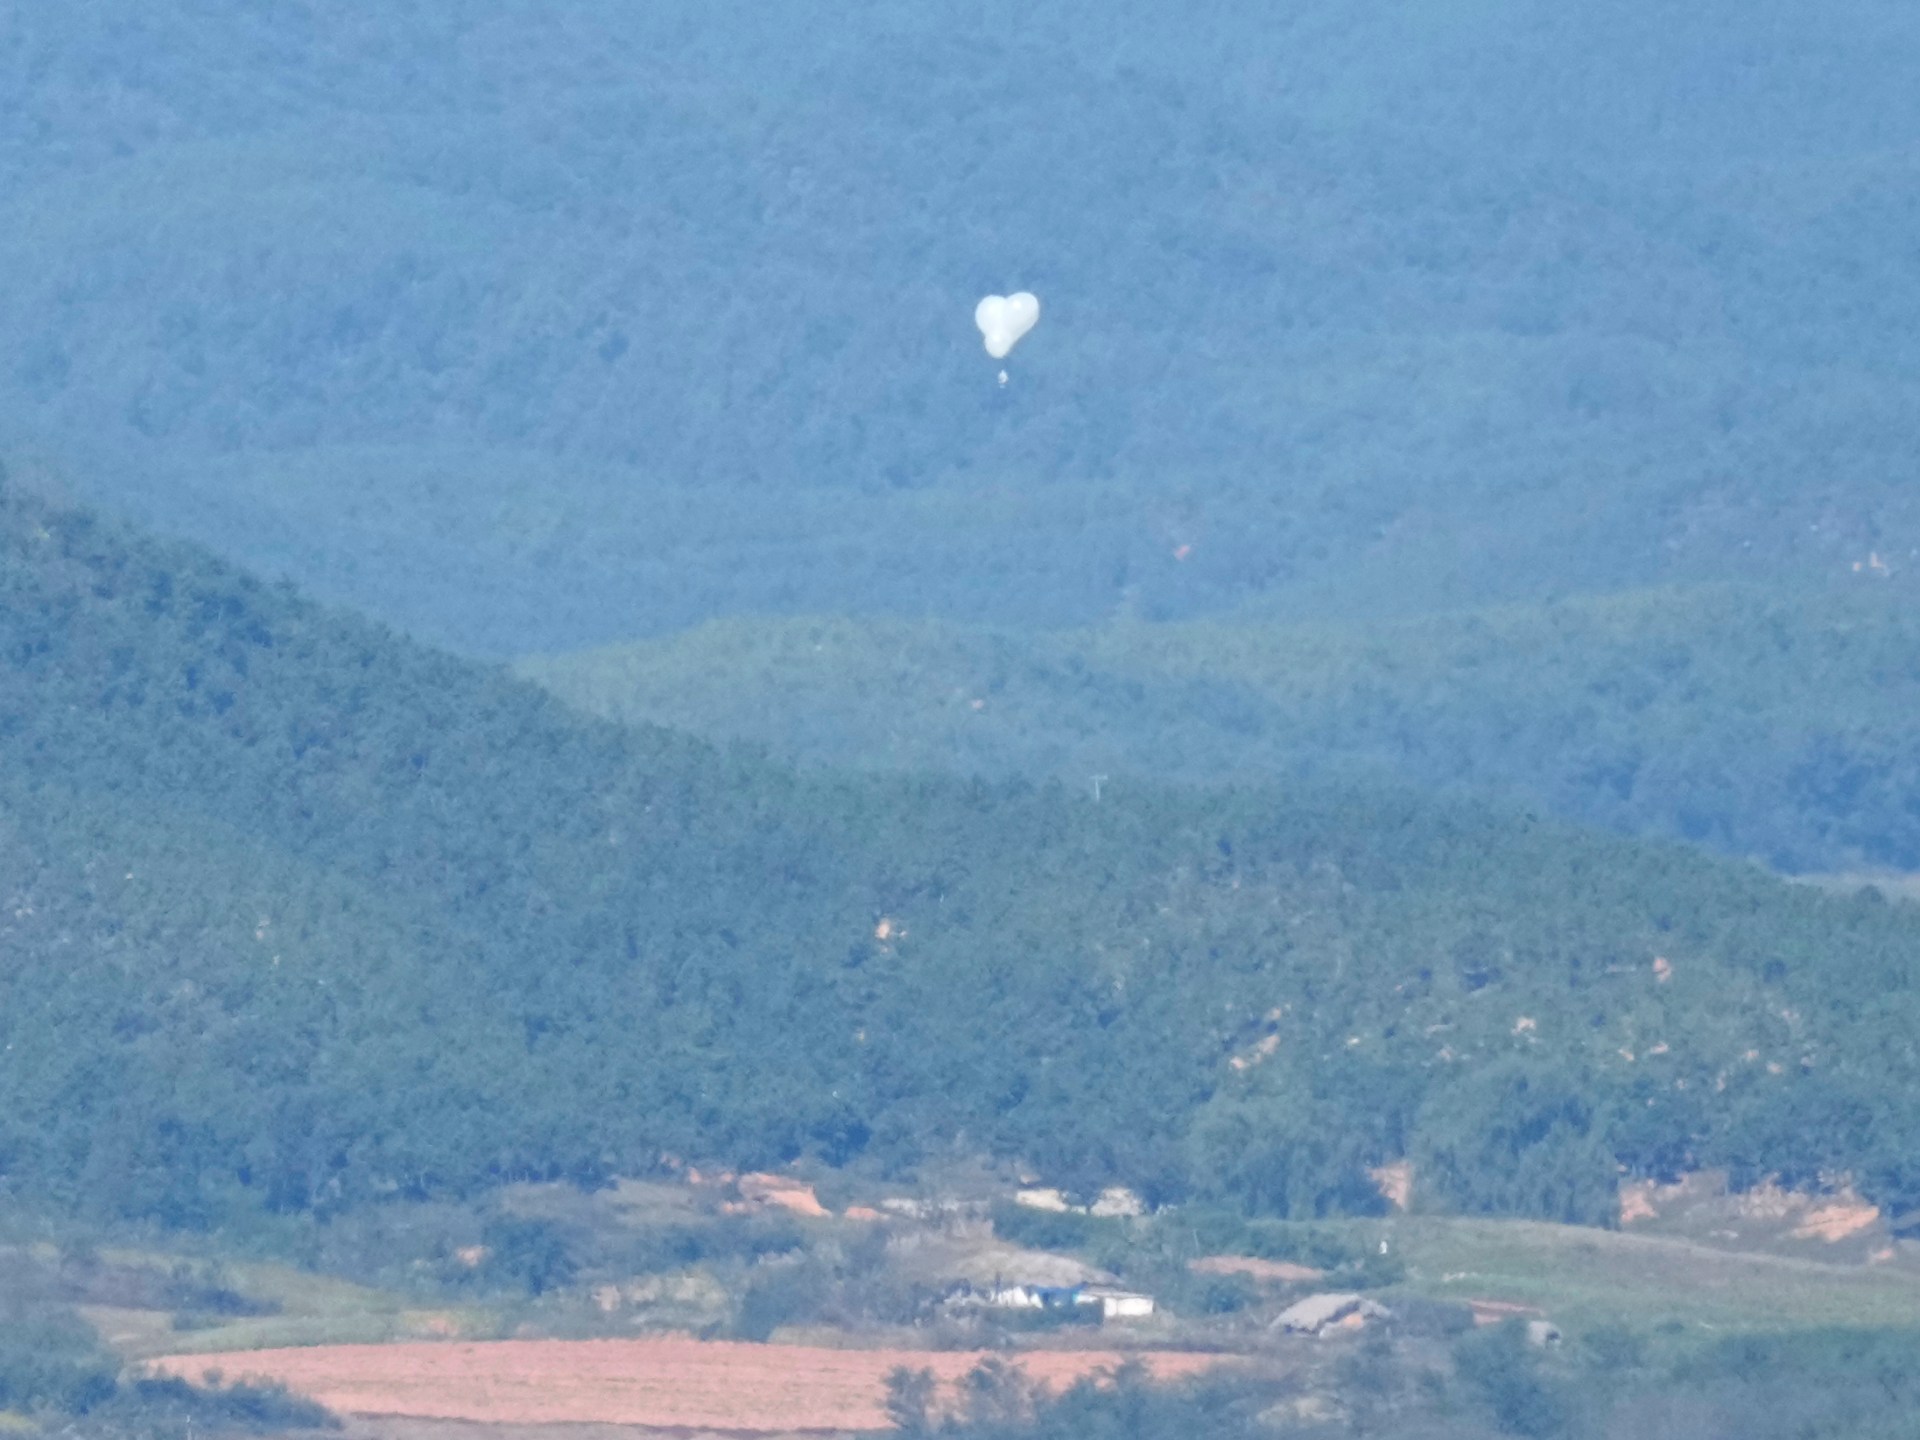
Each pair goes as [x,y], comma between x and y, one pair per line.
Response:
[394,1427]
[969,1251]
[663,1383]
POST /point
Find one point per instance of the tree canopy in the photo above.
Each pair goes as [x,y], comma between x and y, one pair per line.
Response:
[331,916]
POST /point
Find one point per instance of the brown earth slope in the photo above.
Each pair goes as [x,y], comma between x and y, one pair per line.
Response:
[666,1383]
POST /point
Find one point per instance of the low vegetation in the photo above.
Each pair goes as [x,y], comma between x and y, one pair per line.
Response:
[1826,1385]
[54,1369]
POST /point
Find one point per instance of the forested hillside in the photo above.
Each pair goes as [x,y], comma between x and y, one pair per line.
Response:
[299,914]
[1765,724]
[530,330]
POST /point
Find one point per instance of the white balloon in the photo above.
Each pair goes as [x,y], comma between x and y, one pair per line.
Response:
[1003,319]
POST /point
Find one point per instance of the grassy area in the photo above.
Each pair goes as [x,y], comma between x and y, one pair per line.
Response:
[1894,884]
[1587,1278]
[366,1327]
[308,1309]
[1584,1279]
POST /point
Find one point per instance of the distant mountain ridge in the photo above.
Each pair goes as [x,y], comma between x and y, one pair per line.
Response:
[529,336]
[300,915]
[1765,723]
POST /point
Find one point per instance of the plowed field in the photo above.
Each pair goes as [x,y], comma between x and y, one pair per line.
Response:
[662,1383]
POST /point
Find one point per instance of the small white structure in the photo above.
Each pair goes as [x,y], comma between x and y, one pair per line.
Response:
[1038,1197]
[1117,1304]
[1543,1334]
[1330,1314]
[1018,1297]
[1117,1201]
[1112,1303]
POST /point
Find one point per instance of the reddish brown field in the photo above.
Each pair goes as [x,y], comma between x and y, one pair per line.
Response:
[658,1383]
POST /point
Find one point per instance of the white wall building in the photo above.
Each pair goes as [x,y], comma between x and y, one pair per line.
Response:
[1118,1304]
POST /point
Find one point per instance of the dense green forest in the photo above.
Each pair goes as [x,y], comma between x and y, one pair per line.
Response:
[533,335]
[300,915]
[1764,724]
[530,330]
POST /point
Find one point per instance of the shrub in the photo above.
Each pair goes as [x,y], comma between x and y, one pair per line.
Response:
[1048,1229]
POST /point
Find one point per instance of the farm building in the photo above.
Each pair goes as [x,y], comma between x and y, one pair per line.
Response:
[1118,1304]
[1033,1297]
[1330,1314]
[1113,1304]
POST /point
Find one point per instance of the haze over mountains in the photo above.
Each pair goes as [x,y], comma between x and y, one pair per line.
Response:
[531,330]
[1491,399]
[543,671]
[1777,726]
